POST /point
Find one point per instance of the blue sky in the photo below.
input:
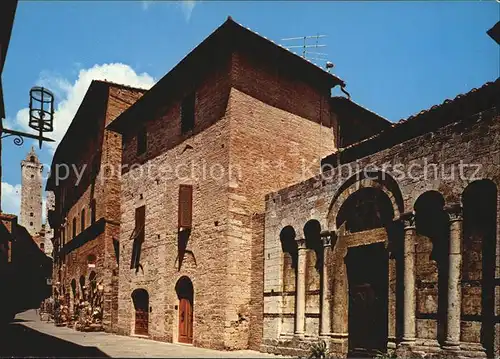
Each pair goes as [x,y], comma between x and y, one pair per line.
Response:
[397,58]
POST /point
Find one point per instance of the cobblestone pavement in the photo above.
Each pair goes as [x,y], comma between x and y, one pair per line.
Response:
[28,336]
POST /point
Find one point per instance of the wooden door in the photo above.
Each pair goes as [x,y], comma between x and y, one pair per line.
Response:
[141,304]
[185,321]
[367,276]
[141,321]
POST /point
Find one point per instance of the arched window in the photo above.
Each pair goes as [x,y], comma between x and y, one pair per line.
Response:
[82,220]
[479,250]
[74,227]
[431,247]
[82,287]
[92,211]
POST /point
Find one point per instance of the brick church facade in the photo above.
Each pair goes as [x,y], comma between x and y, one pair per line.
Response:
[253,209]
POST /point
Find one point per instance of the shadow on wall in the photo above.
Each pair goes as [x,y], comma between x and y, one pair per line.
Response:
[20,341]
[28,272]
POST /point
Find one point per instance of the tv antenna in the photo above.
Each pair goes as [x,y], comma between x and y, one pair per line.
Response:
[308,43]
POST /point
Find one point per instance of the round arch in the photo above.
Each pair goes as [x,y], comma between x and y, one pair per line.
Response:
[185,292]
[184,287]
[479,247]
[365,179]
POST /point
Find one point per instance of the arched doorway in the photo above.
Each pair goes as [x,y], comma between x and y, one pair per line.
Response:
[140,297]
[431,260]
[83,288]
[73,297]
[184,289]
[364,219]
[479,201]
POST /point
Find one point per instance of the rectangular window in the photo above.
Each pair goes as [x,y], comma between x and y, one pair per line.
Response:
[187,112]
[185,206]
[142,141]
[74,227]
[63,234]
[138,236]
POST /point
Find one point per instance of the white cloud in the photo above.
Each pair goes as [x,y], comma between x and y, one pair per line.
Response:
[70,95]
[11,198]
[186,6]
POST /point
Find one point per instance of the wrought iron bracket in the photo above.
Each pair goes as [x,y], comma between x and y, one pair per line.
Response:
[19,140]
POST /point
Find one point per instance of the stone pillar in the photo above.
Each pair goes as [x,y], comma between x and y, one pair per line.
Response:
[325,329]
[452,341]
[409,305]
[340,302]
[300,296]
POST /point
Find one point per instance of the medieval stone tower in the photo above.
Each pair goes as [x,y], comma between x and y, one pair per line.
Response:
[31,193]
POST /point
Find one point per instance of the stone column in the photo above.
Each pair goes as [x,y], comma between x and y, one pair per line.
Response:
[340,302]
[452,341]
[409,305]
[300,290]
[325,329]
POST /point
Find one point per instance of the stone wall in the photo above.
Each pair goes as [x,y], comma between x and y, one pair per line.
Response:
[257,280]
[474,140]
[31,194]
[236,132]
[164,259]
[8,223]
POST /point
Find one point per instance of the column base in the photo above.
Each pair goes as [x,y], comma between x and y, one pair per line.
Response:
[451,346]
[409,342]
[299,335]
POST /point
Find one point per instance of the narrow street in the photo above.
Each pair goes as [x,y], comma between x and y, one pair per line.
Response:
[27,336]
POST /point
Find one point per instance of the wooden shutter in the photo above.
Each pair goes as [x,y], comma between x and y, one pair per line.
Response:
[140,221]
[185,206]
[138,236]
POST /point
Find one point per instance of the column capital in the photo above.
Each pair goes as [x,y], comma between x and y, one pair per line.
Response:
[301,243]
[455,211]
[328,238]
[408,220]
